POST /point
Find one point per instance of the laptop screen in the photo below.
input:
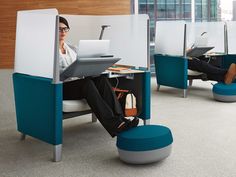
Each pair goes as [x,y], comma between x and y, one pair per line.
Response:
[88,67]
[198,51]
[93,48]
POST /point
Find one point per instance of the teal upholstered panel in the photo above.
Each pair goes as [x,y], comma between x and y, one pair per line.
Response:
[38,105]
[223,89]
[146,95]
[145,138]
[228,59]
[171,71]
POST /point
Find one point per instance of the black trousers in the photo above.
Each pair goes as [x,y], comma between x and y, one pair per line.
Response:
[213,73]
[100,97]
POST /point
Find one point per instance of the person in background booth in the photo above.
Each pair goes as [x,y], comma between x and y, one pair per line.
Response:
[212,72]
[97,91]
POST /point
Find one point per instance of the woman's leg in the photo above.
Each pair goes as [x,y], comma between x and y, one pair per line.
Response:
[212,72]
[105,89]
[110,115]
[73,90]
[101,109]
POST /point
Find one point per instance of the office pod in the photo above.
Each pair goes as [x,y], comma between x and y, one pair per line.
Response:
[40,109]
[171,58]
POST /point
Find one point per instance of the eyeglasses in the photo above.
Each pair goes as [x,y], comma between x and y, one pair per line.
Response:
[65,29]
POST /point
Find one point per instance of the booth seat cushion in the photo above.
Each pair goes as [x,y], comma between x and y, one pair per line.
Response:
[75,105]
[225,93]
[193,73]
[144,144]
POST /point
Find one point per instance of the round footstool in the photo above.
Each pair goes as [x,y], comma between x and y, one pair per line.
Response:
[224,93]
[144,144]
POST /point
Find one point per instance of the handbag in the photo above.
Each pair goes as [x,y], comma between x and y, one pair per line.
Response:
[128,102]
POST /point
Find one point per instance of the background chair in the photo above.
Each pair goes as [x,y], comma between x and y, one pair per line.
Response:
[170,63]
[173,72]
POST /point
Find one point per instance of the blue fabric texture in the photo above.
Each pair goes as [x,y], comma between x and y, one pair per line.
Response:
[38,105]
[227,60]
[171,71]
[144,138]
[223,89]
[146,95]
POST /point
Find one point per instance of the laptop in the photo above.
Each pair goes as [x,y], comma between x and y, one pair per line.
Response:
[92,59]
[93,48]
[84,67]
[198,51]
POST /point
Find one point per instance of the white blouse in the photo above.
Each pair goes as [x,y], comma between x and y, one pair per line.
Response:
[66,59]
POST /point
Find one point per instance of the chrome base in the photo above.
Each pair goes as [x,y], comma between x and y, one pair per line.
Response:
[224,98]
[94,118]
[22,137]
[144,157]
[158,87]
[146,122]
[190,83]
[57,152]
[185,93]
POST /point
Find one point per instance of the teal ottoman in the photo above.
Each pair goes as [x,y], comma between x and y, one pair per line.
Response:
[224,93]
[144,144]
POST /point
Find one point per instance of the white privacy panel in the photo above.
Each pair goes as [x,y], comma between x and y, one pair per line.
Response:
[195,33]
[206,34]
[35,42]
[170,38]
[231,32]
[128,35]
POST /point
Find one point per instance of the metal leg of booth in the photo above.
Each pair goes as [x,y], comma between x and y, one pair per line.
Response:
[57,150]
[146,122]
[190,83]
[22,136]
[185,93]
[158,87]
[94,118]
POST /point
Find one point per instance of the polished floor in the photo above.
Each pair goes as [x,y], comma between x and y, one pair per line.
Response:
[204,140]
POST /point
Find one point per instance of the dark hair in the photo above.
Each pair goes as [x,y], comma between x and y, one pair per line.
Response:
[64,21]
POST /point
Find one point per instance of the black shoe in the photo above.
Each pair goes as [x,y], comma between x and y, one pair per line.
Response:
[134,122]
[126,125]
[119,129]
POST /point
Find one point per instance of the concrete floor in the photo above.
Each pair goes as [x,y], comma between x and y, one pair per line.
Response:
[204,145]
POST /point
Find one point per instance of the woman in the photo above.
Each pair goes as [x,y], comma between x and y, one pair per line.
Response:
[97,91]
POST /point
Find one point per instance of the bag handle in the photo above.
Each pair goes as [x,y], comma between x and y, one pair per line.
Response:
[121,92]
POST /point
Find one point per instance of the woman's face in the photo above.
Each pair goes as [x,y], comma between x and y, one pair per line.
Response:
[63,30]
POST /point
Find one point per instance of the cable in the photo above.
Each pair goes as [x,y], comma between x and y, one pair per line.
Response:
[117,82]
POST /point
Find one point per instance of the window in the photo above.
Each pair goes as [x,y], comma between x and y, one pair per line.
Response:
[205,10]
